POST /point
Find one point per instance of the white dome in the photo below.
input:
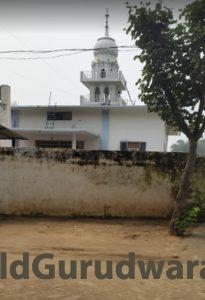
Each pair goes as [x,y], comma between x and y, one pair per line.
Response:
[106,46]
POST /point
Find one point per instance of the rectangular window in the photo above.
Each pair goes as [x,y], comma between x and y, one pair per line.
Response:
[59,116]
[53,144]
[133,146]
[58,144]
[123,146]
[142,146]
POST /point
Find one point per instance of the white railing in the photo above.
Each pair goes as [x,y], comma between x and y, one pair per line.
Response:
[86,101]
[89,76]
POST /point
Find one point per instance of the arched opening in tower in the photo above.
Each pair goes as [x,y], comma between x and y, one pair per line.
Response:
[103,73]
[97,94]
[106,93]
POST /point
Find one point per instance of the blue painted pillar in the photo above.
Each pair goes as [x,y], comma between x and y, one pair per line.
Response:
[105,129]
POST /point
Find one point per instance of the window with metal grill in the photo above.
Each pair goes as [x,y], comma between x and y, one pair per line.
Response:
[59,116]
[58,144]
[133,146]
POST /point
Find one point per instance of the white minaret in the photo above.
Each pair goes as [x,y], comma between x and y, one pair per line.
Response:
[105,82]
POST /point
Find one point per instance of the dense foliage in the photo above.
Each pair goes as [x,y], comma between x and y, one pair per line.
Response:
[172,52]
[183,146]
[173,80]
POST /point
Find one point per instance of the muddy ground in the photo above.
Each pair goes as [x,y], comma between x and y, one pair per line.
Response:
[90,239]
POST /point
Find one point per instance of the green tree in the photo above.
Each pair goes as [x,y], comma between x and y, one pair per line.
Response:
[173,76]
[182,146]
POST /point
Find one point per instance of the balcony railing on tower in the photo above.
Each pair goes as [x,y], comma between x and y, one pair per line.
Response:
[90,76]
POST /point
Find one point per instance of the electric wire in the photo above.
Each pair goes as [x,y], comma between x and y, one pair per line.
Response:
[65,49]
[73,52]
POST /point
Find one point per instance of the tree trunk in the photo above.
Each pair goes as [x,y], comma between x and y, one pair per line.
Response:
[181,199]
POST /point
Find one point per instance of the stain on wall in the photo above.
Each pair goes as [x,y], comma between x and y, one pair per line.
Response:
[90,183]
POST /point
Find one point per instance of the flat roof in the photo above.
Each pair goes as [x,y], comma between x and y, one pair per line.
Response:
[8,134]
[79,107]
[55,131]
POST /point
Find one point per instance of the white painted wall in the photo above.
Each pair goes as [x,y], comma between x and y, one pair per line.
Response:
[139,126]
[90,120]
[36,119]
[125,123]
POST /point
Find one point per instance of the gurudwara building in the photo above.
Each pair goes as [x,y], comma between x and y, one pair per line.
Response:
[102,121]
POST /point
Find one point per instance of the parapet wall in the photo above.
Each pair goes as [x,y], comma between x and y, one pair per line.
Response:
[90,183]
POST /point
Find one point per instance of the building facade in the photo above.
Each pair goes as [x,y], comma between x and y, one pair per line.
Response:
[103,121]
[91,128]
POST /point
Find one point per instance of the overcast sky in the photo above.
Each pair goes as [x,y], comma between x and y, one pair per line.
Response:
[61,24]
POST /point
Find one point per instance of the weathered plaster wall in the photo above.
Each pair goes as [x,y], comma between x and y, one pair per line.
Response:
[66,183]
[5,111]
